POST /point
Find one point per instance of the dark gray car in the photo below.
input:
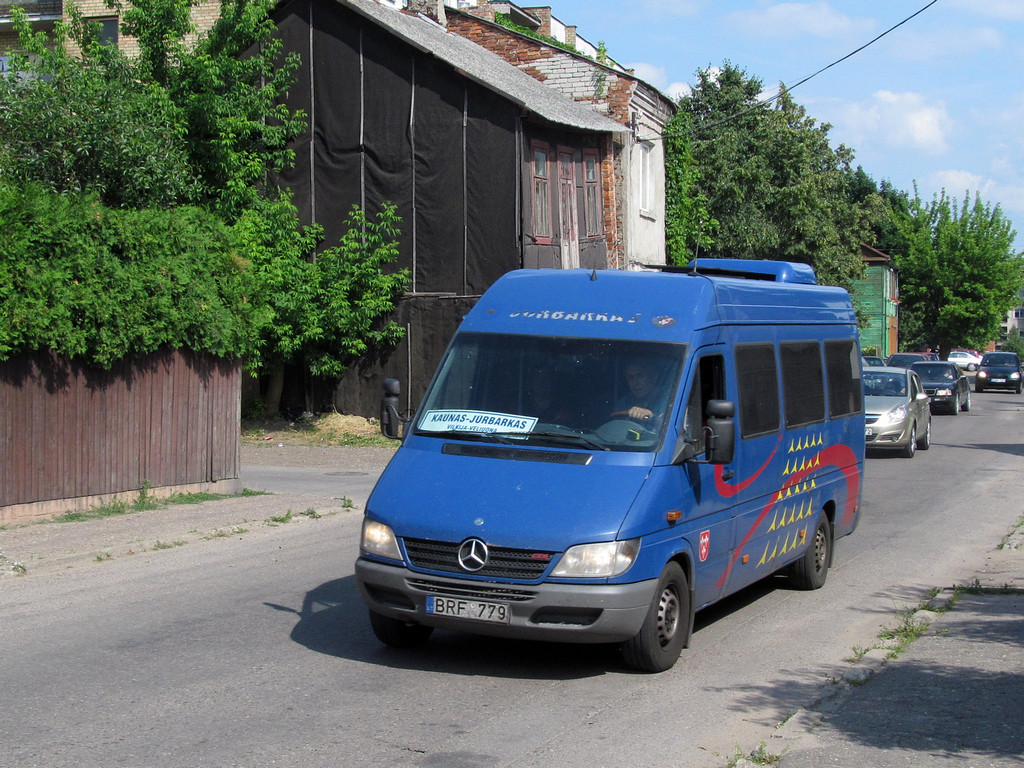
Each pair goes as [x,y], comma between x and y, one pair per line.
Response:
[998,370]
[946,385]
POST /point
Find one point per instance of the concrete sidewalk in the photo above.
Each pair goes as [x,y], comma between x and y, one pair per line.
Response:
[42,547]
[954,696]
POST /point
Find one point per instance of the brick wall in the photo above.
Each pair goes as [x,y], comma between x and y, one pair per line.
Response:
[203,16]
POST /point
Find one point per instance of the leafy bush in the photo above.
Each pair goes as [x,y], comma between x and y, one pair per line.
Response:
[100,284]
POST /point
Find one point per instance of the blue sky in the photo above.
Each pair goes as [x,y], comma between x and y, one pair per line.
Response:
[938,102]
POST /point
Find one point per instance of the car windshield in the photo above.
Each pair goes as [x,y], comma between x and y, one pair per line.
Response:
[901,360]
[1001,358]
[934,371]
[590,393]
[881,384]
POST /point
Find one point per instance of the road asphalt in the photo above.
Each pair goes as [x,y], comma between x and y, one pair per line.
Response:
[953,696]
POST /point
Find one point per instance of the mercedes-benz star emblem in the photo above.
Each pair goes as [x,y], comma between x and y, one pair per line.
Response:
[473,554]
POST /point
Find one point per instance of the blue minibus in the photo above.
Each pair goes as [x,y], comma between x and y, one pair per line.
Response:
[601,454]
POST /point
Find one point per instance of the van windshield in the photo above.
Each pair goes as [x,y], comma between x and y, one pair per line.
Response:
[602,394]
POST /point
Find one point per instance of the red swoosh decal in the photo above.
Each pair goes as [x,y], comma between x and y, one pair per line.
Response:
[731,490]
[835,455]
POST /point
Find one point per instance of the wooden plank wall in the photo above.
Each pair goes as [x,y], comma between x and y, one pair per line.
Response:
[69,431]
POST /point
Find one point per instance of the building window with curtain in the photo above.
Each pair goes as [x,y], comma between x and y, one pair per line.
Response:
[541,192]
[592,193]
[647,178]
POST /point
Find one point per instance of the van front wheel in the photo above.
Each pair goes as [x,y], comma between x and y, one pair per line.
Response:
[397,633]
[811,570]
[666,628]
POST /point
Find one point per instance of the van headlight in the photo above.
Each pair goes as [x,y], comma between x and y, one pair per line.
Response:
[379,539]
[603,560]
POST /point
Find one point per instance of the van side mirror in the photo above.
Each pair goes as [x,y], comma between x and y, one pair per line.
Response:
[391,422]
[721,431]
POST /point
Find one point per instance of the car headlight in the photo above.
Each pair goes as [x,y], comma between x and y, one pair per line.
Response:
[379,539]
[1014,375]
[894,416]
[609,558]
[982,375]
[943,392]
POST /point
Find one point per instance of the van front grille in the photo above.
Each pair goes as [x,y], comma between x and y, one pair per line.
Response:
[502,563]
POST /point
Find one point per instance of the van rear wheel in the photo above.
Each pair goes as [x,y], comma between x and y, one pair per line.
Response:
[811,570]
[666,628]
[398,633]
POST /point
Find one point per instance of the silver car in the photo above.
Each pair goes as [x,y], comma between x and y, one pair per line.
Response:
[896,411]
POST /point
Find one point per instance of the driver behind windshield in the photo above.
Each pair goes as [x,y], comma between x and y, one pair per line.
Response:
[639,403]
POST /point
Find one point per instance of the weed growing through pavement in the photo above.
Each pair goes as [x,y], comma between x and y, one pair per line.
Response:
[976,588]
[760,756]
[145,502]
[1009,540]
[285,518]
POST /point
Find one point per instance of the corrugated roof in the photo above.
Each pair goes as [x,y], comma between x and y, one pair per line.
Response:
[486,68]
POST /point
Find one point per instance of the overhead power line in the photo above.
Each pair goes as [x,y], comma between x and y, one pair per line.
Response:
[783,91]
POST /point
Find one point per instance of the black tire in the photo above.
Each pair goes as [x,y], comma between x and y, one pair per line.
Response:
[397,633]
[978,389]
[967,402]
[666,628]
[811,570]
[911,447]
[955,408]
[925,441]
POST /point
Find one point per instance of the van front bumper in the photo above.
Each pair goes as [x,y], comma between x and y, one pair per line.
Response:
[578,613]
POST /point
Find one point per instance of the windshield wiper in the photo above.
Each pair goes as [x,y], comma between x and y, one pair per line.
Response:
[473,434]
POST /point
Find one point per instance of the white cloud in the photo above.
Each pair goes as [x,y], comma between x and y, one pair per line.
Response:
[790,20]
[658,77]
[897,120]
[946,44]
[956,183]
[1009,10]
[678,90]
[649,73]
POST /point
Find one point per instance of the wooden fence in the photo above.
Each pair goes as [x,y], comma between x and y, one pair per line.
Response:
[71,435]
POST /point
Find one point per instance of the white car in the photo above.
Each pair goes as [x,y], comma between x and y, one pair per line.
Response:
[965,361]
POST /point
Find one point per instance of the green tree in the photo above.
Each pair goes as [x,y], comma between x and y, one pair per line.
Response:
[1014,342]
[325,312]
[89,124]
[200,124]
[959,275]
[772,182]
[688,223]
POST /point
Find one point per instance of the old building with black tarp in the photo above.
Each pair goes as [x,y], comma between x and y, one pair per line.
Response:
[490,170]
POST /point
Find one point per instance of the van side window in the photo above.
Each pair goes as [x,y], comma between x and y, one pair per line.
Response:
[803,387]
[708,384]
[843,371]
[756,374]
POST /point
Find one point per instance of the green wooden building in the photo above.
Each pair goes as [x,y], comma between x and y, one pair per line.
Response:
[877,300]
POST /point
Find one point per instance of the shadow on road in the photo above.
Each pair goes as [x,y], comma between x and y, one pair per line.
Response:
[333,621]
